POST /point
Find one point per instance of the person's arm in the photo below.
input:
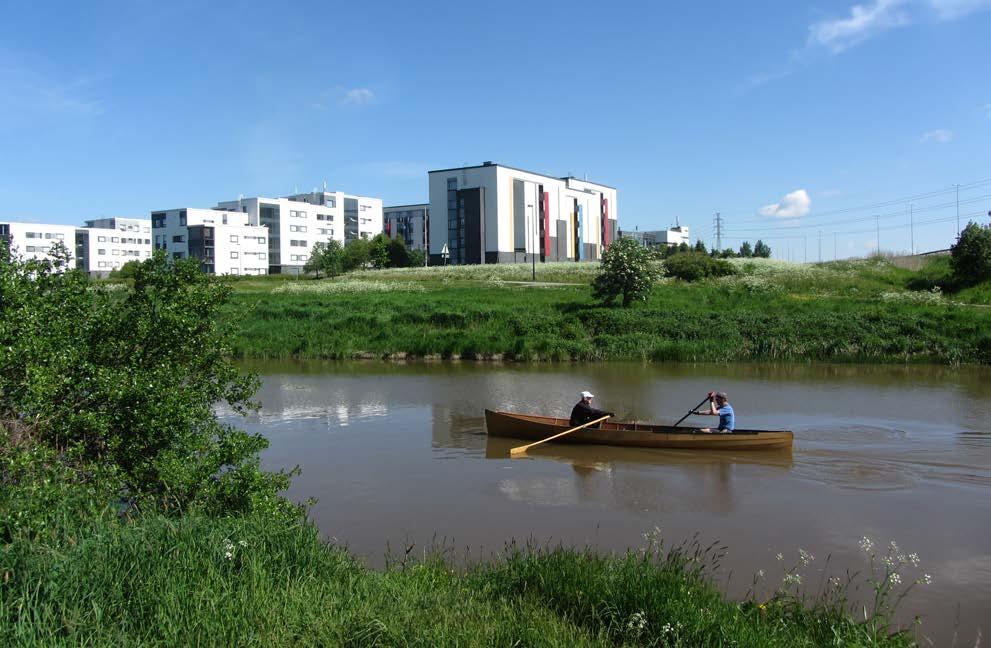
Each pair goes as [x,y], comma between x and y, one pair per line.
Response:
[712,407]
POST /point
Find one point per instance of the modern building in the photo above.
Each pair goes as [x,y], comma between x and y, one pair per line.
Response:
[106,244]
[296,222]
[671,237]
[225,242]
[35,240]
[493,213]
[409,222]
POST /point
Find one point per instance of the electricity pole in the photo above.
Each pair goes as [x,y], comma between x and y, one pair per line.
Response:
[877,226]
[834,247]
[820,246]
[805,249]
[719,232]
[958,210]
[911,226]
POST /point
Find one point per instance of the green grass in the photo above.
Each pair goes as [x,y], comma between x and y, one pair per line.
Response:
[861,311]
[248,581]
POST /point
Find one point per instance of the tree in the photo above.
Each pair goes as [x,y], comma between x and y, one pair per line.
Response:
[127,271]
[700,246]
[693,266]
[970,256]
[398,254]
[327,258]
[378,251]
[728,253]
[683,247]
[314,263]
[627,270]
[127,381]
[357,253]
[417,258]
[762,250]
[745,250]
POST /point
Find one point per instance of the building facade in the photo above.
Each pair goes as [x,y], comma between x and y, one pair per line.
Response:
[106,244]
[35,240]
[492,213]
[410,222]
[225,242]
[671,237]
[296,222]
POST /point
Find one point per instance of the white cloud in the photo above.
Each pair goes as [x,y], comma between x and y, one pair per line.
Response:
[863,22]
[950,9]
[793,205]
[939,136]
[358,97]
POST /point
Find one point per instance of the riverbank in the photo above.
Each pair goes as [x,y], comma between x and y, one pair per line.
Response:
[198,580]
[864,311]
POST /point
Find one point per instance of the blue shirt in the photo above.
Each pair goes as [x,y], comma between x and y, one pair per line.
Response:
[727,419]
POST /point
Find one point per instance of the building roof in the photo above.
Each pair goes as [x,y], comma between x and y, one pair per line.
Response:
[505,166]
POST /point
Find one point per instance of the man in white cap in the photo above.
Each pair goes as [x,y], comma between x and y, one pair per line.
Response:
[719,406]
[583,412]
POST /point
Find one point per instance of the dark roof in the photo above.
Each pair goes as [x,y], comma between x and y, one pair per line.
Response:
[427,205]
[504,166]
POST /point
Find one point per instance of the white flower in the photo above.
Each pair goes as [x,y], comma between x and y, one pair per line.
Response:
[666,628]
[866,544]
[805,557]
[780,557]
[894,579]
[637,622]
[925,580]
[792,579]
[760,573]
[834,581]
[242,543]
[888,561]
[914,559]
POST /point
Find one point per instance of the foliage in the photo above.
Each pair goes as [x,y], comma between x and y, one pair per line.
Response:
[970,256]
[693,266]
[746,250]
[417,259]
[126,271]
[378,251]
[700,247]
[126,380]
[326,258]
[399,256]
[762,250]
[357,255]
[626,271]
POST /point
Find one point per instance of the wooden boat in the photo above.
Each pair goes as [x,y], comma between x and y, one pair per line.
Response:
[530,427]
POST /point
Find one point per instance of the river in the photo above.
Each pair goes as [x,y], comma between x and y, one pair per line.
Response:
[397,455]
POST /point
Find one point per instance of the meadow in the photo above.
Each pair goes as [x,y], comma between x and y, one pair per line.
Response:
[868,310]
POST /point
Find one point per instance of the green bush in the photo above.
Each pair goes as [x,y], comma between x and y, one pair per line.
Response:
[627,271]
[692,266]
[970,256]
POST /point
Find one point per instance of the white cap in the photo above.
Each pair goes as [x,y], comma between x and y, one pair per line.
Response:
[587,394]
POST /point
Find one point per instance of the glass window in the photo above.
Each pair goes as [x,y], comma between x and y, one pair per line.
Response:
[101,239]
[30,248]
[233,238]
[233,255]
[101,251]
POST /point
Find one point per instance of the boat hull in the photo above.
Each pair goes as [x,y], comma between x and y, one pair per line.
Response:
[528,427]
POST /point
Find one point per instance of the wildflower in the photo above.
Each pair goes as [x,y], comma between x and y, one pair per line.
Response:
[834,581]
[792,579]
[242,543]
[914,559]
[866,544]
[893,546]
[780,557]
[894,579]
[637,622]
[666,628]
[925,580]
[888,561]
[760,573]
[805,557]
[228,549]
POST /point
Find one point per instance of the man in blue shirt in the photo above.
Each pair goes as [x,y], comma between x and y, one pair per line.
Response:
[719,406]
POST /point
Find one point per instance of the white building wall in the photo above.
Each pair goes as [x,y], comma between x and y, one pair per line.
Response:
[108,243]
[239,245]
[35,240]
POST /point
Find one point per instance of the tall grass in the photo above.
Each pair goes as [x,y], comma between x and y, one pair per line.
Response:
[245,581]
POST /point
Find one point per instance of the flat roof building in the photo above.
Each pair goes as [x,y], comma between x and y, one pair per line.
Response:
[296,222]
[491,213]
[106,244]
[411,222]
[35,240]
[671,237]
[225,242]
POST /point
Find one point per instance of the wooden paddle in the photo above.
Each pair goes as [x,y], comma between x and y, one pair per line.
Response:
[692,411]
[523,449]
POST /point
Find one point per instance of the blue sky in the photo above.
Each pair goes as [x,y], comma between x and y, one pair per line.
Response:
[779,115]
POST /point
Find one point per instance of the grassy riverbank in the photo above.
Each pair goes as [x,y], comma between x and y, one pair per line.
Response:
[244,580]
[864,311]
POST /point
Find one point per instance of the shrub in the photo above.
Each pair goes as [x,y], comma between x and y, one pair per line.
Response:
[970,256]
[693,266]
[627,270]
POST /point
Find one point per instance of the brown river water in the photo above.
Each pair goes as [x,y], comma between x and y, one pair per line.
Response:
[397,455]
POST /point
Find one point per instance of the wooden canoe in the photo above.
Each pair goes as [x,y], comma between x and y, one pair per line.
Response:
[529,427]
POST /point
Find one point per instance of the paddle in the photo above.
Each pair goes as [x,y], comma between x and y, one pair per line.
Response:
[691,411]
[523,449]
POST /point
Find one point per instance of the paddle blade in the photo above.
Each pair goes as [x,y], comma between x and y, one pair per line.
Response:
[513,452]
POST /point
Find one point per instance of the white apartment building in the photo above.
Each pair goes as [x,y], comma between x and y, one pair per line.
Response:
[296,222]
[409,222]
[493,213]
[106,244]
[35,240]
[225,242]
[671,237]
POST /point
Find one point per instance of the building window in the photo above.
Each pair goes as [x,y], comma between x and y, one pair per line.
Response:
[115,252]
[234,255]
[30,248]
[233,238]
[295,243]
[101,251]
[101,239]
[182,218]
[115,239]
[178,238]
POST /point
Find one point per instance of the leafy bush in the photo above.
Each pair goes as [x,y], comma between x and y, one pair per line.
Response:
[970,256]
[627,270]
[128,379]
[692,266]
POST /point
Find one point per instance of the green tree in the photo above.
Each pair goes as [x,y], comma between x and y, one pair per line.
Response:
[700,246]
[398,254]
[970,256]
[728,253]
[693,266]
[745,250]
[127,271]
[327,258]
[128,381]
[378,251]
[357,253]
[627,271]
[417,258]
[762,250]
[314,263]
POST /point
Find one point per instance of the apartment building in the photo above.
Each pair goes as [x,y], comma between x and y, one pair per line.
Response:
[106,244]
[671,237]
[410,222]
[295,223]
[35,240]
[492,213]
[225,242]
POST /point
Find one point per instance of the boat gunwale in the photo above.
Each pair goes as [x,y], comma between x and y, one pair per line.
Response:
[624,426]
